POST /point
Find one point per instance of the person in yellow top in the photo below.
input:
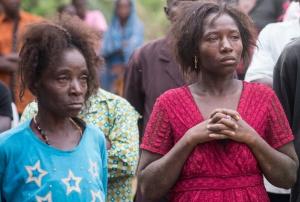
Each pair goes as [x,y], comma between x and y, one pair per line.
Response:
[13,22]
[118,121]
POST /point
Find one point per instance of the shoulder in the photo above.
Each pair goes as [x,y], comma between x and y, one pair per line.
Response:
[29,17]
[152,45]
[274,28]
[258,90]
[12,136]
[96,133]
[173,95]
[114,102]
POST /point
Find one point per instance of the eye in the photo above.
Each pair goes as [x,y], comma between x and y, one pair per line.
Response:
[235,36]
[212,38]
[62,78]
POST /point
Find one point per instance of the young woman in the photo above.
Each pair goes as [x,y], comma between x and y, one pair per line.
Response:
[55,156]
[212,140]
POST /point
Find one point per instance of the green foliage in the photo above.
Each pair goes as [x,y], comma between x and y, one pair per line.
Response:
[150,12]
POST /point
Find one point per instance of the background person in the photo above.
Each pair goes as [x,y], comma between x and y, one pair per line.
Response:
[287,87]
[13,22]
[124,35]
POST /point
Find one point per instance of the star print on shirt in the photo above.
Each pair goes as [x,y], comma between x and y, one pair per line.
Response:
[72,183]
[35,173]
[47,198]
[93,169]
[97,195]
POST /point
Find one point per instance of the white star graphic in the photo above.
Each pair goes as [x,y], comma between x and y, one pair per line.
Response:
[97,195]
[72,183]
[93,169]
[47,198]
[35,173]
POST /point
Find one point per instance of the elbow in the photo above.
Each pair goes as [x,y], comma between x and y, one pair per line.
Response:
[147,190]
[290,177]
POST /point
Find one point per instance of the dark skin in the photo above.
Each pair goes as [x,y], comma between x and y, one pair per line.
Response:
[11,8]
[220,48]
[123,11]
[61,94]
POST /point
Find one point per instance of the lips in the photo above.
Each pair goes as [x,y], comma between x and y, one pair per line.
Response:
[76,105]
[228,60]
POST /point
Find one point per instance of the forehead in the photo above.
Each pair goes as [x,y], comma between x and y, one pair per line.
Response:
[219,22]
[70,59]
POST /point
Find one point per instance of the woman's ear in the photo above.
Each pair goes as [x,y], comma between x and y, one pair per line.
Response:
[34,88]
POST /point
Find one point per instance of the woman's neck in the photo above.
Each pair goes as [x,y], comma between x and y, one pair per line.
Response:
[215,85]
[51,122]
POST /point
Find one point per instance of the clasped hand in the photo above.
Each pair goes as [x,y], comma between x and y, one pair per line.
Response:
[223,124]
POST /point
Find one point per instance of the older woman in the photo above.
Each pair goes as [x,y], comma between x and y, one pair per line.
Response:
[212,140]
[55,156]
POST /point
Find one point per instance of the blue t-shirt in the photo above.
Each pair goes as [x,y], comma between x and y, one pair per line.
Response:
[31,170]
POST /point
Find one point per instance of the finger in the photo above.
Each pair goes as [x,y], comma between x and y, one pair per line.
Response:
[217,117]
[234,114]
[231,123]
[218,110]
[217,127]
[228,133]
[218,136]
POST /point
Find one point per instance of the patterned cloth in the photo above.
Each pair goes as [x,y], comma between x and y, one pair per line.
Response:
[217,171]
[118,121]
[41,173]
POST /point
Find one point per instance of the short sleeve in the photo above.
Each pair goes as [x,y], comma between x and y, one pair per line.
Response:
[279,132]
[158,137]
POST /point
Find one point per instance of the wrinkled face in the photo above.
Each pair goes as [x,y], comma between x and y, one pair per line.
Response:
[123,9]
[220,46]
[62,88]
[11,7]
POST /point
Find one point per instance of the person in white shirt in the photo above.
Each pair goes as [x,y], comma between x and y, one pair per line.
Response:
[271,41]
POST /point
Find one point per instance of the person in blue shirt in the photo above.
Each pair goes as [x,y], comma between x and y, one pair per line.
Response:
[55,156]
[124,35]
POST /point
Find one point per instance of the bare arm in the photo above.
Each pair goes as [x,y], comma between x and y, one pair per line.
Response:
[8,64]
[157,173]
[279,166]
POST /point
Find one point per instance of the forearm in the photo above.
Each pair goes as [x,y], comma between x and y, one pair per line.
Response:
[159,176]
[6,65]
[278,168]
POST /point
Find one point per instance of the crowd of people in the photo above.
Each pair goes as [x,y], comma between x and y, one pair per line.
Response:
[209,112]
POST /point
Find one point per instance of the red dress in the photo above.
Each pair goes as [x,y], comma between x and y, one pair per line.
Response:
[217,171]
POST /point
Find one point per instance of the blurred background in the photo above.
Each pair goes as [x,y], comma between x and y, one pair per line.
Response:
[150,12]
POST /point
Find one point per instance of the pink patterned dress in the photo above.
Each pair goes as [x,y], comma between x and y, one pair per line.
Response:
[217,171]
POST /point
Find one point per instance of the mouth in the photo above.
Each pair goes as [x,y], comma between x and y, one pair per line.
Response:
[75,105]
[229,60]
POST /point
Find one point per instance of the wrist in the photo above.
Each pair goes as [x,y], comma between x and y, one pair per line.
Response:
[190,139]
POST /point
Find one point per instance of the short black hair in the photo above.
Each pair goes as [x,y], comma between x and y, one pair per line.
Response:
[187,31]
[44,44]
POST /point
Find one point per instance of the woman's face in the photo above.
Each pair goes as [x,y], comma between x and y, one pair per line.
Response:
[220,46]
[62,88]
[123,9]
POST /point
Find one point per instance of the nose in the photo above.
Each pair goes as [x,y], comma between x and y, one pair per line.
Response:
[76,87]
[225,45]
